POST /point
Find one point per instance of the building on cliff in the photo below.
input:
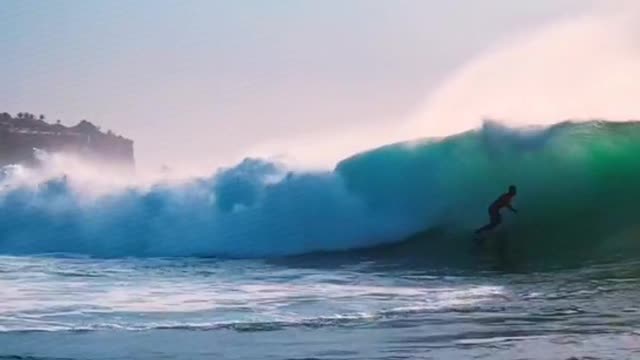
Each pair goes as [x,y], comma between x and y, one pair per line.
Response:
[20,135]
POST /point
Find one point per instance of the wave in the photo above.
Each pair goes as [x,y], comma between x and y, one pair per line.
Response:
[255,209]
[468,300]
[578,191]
[240,326]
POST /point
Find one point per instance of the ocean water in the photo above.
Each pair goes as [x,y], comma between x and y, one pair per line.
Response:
[81,308]
[371,260]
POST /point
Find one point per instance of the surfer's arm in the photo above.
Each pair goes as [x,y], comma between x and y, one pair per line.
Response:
[511,208]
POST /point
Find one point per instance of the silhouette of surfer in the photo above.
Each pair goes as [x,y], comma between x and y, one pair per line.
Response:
[494,209]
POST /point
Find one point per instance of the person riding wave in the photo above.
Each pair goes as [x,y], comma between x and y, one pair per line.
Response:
[494,209]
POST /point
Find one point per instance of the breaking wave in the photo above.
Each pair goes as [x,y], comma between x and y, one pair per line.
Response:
[578,188]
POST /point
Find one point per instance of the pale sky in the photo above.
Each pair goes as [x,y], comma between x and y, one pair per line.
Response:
[199,83]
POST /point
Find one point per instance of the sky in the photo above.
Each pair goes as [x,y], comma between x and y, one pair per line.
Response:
[200,83]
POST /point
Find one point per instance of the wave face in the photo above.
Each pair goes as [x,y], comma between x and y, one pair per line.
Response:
[579,185]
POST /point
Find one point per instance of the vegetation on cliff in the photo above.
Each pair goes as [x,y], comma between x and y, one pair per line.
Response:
[21,134]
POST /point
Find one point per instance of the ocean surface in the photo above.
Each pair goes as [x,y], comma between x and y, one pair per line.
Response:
[372,260]
[57,307]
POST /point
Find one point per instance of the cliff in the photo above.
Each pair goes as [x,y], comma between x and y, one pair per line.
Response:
[21,134]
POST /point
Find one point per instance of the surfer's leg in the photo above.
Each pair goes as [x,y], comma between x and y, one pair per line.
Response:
[482,229]
[487,227]
[496,219]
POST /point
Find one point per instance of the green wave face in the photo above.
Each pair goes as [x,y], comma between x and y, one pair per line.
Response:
[578,186]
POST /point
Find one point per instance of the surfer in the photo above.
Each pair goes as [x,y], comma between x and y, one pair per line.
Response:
[494,209]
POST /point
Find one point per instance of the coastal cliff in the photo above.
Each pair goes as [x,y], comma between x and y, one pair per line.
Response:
[20,135]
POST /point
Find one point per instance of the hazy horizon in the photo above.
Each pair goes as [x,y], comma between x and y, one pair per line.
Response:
[200,83]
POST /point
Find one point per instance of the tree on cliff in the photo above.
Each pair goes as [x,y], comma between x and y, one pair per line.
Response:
[26,116]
